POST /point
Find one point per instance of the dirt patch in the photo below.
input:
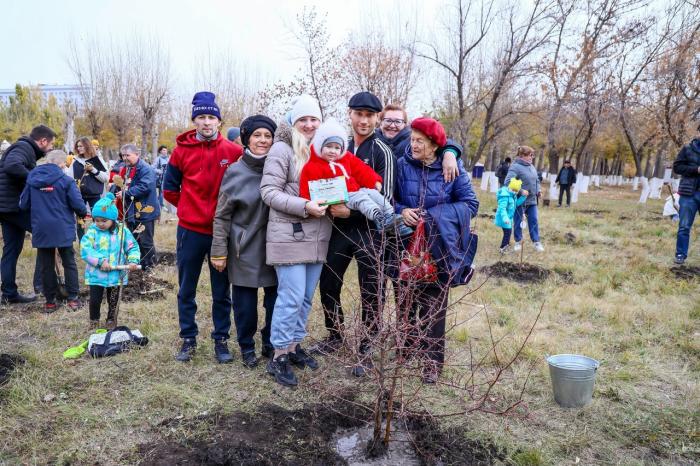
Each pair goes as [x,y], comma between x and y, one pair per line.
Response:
[307,436]
[8,363]
[166,258]
[145,287]
[491,216]
[570,237]
[524,273]
[593,212]
[686,272]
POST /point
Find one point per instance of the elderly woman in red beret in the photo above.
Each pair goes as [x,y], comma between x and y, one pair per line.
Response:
[446,209]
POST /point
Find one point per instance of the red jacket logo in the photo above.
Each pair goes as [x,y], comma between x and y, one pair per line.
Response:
[223,163]
[47,189]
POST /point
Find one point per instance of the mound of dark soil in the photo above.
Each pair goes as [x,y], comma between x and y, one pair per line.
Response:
[166,258]
[686,272]
[271,436]
[145,287]
[8,363]
[276,436]
[521,273]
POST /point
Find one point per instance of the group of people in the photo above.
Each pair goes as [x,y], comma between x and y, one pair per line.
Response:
[255,212]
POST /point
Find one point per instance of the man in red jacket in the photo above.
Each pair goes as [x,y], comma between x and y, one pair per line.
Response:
[191,183]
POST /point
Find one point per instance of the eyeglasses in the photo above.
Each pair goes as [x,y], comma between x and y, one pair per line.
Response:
[392,122]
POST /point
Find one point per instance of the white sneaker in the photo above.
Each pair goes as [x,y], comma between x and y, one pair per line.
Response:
[517,246]
[539,247]
[505,249]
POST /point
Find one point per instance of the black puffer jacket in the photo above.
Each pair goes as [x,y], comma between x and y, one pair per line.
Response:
[686,165]
[15,165]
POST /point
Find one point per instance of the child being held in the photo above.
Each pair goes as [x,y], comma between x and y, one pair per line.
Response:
[329,159]
[509,198]
[106,245]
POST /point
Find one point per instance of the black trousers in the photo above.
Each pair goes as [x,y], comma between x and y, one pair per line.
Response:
[96,294]
[565,188]
[48,269]
[375,255]
[424,309]
[145,240]
[245,315]
[15,226]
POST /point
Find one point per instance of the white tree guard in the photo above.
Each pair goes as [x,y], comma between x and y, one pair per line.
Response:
[596,181]
[485,180]
[575,190]
[553,192]
[635,183]
[655,187]
[493,181]
[667,175]
[645,190]
[585,181]
[675,183]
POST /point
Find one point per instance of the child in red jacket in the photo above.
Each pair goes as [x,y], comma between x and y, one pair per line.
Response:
[329,159]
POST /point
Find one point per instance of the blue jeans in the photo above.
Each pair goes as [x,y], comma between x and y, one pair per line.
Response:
[689,209]
[295,292]
[193,249]
[530,212]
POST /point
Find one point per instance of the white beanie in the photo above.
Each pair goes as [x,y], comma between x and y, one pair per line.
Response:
[302,106]
[330,129]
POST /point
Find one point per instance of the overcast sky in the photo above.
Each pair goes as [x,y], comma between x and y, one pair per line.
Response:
[36,34]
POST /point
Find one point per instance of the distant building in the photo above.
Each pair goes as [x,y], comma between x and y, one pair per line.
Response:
[61,92]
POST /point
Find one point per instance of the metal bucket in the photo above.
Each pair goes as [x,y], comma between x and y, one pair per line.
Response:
[572,379]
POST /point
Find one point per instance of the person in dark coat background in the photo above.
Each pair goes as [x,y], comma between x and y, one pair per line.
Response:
[687,164]
[502,171]
[19,159]
[446,208]
[52,199]
[140,200]
[566,178]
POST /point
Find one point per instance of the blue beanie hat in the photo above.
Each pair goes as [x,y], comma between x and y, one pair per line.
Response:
[203,104]
[232,133]
[105,208]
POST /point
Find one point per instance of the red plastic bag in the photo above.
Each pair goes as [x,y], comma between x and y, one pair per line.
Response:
[417,264]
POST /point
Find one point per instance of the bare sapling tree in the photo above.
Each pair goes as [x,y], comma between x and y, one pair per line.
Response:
[466,25]
[120,110]
[404,337]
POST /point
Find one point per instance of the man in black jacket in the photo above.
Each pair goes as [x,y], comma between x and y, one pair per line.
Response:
[15,166]
[687,164]
[566,178]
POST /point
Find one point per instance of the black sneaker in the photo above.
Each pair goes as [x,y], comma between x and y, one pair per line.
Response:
[223,355]
[328,345]
[189,346]
[18,299]
[280,369]
[680,259]
[301,359]
[267,351]
[249,359]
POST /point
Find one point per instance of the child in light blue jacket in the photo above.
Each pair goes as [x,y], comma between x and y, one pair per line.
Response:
[105,245]
[509,198]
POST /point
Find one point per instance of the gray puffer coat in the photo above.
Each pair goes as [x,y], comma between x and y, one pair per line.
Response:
[528,174]
[240,224]
[292,236]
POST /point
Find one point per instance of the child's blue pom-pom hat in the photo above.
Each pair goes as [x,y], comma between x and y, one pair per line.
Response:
[106,208]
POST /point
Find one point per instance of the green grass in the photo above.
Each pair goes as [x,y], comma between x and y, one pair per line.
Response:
[623,308]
